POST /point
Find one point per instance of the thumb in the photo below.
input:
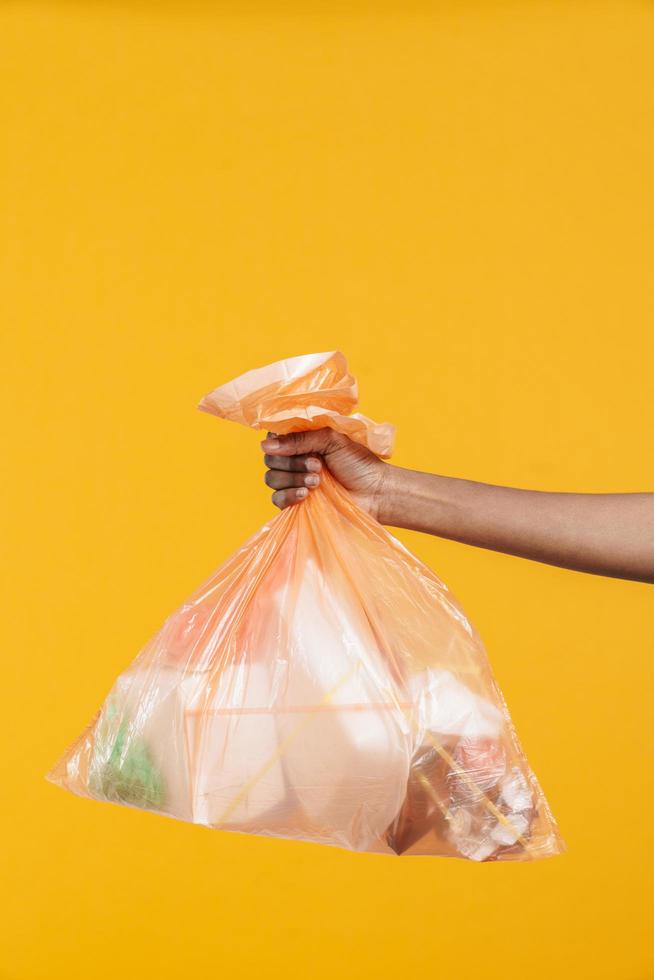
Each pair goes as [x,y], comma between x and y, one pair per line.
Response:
[296,443]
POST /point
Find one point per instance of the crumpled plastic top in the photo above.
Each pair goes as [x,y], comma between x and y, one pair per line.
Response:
[312,391]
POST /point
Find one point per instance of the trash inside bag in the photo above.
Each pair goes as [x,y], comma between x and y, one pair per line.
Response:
[323,685]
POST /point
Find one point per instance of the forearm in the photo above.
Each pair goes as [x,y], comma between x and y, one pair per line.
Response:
[606,534]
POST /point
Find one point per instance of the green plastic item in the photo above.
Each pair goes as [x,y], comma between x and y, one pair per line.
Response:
[129,774]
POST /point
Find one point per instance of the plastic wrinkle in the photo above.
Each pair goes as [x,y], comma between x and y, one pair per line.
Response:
[323,685]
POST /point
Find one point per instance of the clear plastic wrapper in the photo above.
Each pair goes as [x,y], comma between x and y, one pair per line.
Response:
[323,684]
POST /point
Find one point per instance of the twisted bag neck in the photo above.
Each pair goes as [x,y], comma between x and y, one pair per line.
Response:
[313,391]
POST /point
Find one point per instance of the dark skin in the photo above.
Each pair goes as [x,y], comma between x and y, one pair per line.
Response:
[602,533]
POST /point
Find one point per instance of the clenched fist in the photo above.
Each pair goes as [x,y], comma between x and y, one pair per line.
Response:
[295,462]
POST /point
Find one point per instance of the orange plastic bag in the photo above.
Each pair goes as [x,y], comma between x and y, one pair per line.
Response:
[323,685]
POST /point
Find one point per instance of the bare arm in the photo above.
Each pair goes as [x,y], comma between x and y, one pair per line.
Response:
[605,534]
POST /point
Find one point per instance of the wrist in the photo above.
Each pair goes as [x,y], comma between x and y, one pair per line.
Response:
[389,494]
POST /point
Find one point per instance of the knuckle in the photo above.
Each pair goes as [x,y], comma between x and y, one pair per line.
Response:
[277,479]
[305,442]
[324,439]
[288,440]
[280,479]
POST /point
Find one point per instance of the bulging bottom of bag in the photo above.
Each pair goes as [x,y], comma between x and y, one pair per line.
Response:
[382,777]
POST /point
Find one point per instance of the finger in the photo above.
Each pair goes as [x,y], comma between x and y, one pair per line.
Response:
[284,498]
[308,441]
[293,463]
[281,479]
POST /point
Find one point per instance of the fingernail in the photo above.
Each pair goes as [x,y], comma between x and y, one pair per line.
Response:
[314,464]
[303,492]
[312,481]
[270,444]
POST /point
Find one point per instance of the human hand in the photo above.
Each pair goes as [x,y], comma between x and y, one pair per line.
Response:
[295,462]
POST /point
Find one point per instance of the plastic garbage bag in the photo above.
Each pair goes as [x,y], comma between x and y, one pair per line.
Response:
[323,684]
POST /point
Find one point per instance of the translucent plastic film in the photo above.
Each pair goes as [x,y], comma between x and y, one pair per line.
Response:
[323,684]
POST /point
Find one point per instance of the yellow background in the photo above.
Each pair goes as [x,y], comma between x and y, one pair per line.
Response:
[460,197]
